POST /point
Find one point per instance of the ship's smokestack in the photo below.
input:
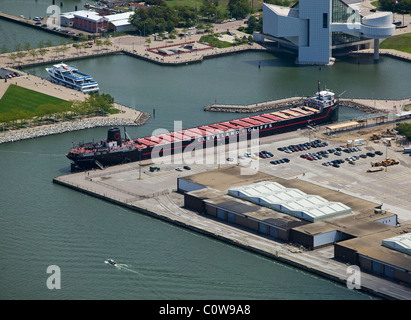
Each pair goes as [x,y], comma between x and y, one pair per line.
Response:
[114,135]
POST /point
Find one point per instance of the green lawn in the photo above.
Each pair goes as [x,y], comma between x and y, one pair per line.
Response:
[375,3]
[400,42]
[21,103]
[212,40]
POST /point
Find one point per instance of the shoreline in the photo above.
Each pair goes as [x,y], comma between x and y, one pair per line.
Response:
[276,252]
[365,105]
[69,126]
[127,116]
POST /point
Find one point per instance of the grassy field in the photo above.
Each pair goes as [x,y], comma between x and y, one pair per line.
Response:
[399,42]
[21,103]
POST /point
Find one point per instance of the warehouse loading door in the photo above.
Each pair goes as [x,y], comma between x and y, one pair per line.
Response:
[221,214]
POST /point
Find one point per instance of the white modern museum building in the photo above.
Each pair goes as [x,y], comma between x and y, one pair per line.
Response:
[314,28]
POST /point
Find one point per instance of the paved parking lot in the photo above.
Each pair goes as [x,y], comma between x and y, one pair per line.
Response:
[388,187]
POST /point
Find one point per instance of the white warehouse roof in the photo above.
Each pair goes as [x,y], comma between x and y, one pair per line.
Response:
[291,201]
[88,15]
[400,243]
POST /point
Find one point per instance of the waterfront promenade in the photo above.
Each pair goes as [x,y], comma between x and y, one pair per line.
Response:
[136,46]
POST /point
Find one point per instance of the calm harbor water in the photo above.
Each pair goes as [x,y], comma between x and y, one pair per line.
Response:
[45,224]
[13,34]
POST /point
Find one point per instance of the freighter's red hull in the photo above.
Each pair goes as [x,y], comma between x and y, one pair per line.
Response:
[102,154]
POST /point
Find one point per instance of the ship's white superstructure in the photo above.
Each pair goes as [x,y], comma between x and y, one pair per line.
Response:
[69,76]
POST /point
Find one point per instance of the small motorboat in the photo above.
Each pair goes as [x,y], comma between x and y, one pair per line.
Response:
[110,261]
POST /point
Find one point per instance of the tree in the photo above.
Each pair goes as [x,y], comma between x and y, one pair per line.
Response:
[403,6]
[99,43]
[239,9]
[107,42]
[48,43]
[95,103]
[27,46]
[253,24]
[56,50]
[20,55]
[33,53]
[404,129]
[100,103]
[208,9]
[156,19]
[42,52]
[3,49]
[17,47]
[188,15]
[12,56]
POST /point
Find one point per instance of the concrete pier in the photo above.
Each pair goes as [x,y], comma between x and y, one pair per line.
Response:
[30,23]
[154,194]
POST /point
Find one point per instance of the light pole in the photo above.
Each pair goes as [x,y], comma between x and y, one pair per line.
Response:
[139,164]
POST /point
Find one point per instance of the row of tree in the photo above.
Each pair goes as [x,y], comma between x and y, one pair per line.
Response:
[41,51]
[400,6]
[94,104]
[404,129]
[159,18]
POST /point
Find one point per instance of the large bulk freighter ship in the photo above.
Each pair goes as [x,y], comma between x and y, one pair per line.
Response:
[322,108]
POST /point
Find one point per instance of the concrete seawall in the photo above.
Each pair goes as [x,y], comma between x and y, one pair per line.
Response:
[150,57]
[30,23]
[365,105]
[164,208]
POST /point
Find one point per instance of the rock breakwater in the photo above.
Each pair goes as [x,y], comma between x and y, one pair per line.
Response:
[286,103]
[257,107]
[47,130]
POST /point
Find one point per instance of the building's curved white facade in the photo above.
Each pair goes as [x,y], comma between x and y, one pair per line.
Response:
[310,27]
[378,25]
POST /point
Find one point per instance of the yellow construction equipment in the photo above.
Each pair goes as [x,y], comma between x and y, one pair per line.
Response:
[385,163]
[375,136]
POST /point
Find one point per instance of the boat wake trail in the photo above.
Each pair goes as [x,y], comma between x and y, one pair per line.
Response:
[127,268]
[133,274]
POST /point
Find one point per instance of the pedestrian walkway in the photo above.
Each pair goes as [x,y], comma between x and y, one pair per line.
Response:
[389,52]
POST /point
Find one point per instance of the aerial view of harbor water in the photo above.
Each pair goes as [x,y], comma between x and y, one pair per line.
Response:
[230,151]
